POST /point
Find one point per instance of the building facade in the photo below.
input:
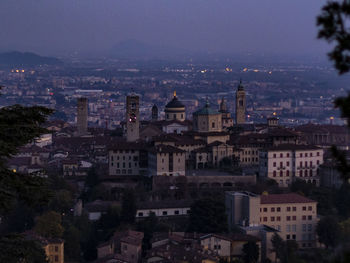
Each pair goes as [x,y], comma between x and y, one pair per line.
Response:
[82,116]
[132,117]
[285,163]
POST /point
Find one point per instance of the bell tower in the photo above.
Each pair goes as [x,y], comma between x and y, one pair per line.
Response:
[132,117]
[240,104]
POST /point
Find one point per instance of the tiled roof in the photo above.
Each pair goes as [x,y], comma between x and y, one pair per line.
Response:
[286,147]
[290,198]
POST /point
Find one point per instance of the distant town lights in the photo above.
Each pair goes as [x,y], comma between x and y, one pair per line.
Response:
[245,70]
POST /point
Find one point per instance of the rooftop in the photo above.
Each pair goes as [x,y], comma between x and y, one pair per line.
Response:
[291,198]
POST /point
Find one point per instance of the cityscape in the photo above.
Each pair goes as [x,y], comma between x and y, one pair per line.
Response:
[160,154]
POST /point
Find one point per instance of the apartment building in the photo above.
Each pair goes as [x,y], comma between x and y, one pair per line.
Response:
[293,215]
[166,160]
[286,162]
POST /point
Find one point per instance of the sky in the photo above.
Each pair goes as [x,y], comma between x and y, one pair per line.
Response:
[53,27]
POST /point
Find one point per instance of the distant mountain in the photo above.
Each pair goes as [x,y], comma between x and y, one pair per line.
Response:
[134,49]
[16,59]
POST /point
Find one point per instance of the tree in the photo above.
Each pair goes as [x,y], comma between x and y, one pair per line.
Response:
[128,206]
[19,126]
[49,225]
[333,23]
[328,231]
[250,252]
[14,249]
[72,243]
[208,216]
[278,246]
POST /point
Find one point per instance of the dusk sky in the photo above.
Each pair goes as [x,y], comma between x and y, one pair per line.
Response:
[230,26]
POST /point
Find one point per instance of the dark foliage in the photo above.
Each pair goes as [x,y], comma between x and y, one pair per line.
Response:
[208,216]
[333,24]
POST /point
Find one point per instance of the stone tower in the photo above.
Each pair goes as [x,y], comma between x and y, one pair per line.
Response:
[82,116]
[240,104]
[132,117]
[154,113]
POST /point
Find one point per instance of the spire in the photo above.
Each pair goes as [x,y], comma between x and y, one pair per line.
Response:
[207,102]
[240,86]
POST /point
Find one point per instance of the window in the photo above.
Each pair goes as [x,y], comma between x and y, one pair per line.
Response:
[309,208]
[213,125]
[305,163]
[56,258]
[176,212]
[303,217]
[140,214]
[288,228]
[288,218]
[265,219]
[305,173]
[304,208]
[278,209]
[281,173]
[301,155]
[278,218]
[265,209]
[288,155]
[288,237]
[287,163]
[309,218]
[272,218]
[281,155]
[294,228]
[294,218]
[304,227]
[274,164]
[272,209]
[287,173]
[274,155]
[310,154]
[294,208]
[274,173]
[165,213]
[318,153]
[305,154]
[301,164]
[281,164]
[294,236]
[309,227]
[288,209]
[318,162]
[56,248]
[301,173]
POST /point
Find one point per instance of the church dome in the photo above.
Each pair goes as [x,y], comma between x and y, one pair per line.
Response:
[174,103]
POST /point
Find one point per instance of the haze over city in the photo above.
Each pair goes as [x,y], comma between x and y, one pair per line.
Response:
[92,27]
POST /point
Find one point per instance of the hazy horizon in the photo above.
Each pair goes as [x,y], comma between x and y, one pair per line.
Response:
[218,26]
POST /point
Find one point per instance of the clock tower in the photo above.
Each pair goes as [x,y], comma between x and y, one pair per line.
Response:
[132,117]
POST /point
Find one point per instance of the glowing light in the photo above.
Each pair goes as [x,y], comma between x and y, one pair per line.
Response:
[270,72]
[332,118]
[256,70]
[174,93]
[14,170]
[245,70]
[22,70]
[203,71]
[274,114]
[228,69]
[17,70]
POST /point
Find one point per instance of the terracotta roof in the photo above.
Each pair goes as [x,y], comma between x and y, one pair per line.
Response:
[300,147]
[162,148]
[290,198]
